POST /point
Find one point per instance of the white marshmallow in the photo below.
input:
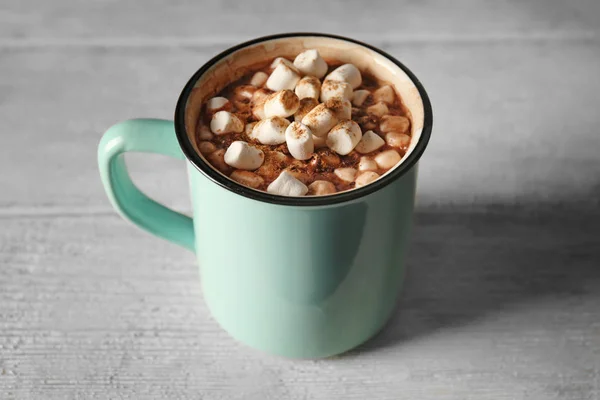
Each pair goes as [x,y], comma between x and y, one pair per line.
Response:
[258,110]
[335,89]
[287,185]
[283,77]
[270,130]
[359,97]
[385,94]
[225,122]
[321,188]
[259,79]
[378,109]
[319,142]
[281,60]
[365,178]
[309,62]
[366,164]
[344,137]
[281,104]
[247,178]
[260,95]
[306,104]
[345,174]
[309,86]
[241,155]
[387,159]
[341,108]
[346,73]
[320,120]
[299,140]
[370,142]
[248,128]
[217,103]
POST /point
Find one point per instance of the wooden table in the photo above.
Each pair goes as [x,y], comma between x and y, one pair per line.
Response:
[502,299]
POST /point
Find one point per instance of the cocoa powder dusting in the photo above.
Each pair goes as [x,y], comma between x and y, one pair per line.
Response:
[277,158]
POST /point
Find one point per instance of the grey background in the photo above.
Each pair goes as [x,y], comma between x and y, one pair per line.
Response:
[502,299]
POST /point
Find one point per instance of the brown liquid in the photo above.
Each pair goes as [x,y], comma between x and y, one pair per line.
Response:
[320,165]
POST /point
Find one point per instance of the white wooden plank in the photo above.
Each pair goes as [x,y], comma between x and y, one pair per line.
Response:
[512,122]
[38,22]
[498,305]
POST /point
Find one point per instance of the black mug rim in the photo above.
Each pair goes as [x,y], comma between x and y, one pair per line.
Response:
[341,197]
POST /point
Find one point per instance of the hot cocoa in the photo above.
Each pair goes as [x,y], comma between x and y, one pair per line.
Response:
[307,127]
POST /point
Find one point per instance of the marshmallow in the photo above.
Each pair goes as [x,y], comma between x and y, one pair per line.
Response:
[365,178]
[283,77]
[261,95]
[281,104]
[259,79]
[299,140]
[384,94]
[258,110]
[387,159]
[394,123]
[244,92]
[205,133]
[287,185]
[270,130]
[309,62]
[341,108]
[306,104]
[217,160]
[345,174]
[321,188]
[378,109]
[281,60]
[366,164]
[399,140]
[359,97]
[248,128]
[225,122]
[319,142]
[247,178]
[309,86]
[344,137]
[335,89]
[206,147]
[346,73]
[370,142]
[320,120]
[217,104]
[241,155]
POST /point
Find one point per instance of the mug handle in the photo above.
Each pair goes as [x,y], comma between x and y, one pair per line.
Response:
[146,136]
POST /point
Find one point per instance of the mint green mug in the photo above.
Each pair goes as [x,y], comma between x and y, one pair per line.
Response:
[300,277]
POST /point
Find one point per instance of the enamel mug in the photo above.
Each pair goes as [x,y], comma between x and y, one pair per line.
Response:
[300,277]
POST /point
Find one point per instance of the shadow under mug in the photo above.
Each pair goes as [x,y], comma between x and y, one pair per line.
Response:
[300,277]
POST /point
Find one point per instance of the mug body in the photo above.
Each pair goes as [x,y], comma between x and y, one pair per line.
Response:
[301,282]
[305,277]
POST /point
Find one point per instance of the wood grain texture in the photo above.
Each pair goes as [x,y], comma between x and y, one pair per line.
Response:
[503,291]
[109,22]
[491,310]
